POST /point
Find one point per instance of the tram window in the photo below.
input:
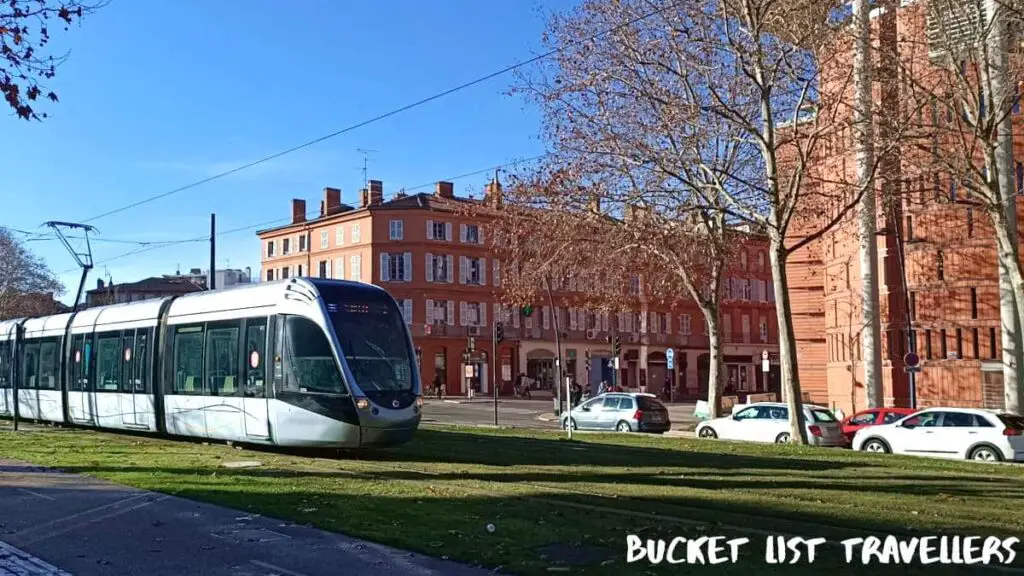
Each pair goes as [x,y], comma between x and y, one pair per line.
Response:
[108,362]
[372,335]
[142,361]
[309,362]
[48,365]
[30,370]
[76,364]
[5,365]
[255,355]
[222,360]
[188,360]
[128,374]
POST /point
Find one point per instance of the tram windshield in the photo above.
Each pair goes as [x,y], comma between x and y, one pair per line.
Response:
[373,339]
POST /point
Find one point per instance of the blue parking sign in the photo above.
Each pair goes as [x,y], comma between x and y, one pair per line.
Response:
[670,356]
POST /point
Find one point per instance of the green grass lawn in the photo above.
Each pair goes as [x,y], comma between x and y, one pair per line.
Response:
[559,505]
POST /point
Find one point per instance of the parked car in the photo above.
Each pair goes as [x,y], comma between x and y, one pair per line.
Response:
[769,422]
[969,433]
[624,412]
[871,417]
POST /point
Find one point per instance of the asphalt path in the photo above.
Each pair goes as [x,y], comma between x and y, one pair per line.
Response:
[58,524]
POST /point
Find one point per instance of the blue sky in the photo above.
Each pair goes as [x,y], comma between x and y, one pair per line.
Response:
[157,94]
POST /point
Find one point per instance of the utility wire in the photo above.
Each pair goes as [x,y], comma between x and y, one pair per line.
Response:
[308,214]
[379,117]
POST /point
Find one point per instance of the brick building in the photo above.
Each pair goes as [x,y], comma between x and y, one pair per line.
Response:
[437,264]
[938,278]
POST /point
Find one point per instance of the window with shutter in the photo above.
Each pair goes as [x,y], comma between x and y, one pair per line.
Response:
[356,235]
[483,314]
[463,265]
[407,272]
[448,231]
[545,313]
[462,233]
[482,263]
[430,229]
[407,310]
[385,267]
[339,235]
[325,239]
[450,312]
[572,319]
[449,274]
[428,267]
[429,311]
[495,265]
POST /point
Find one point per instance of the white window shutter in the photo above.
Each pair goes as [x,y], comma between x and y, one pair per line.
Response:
[668,322]
[407,305]
[463,312]
[430,229]
[462,269]
[407,257]
[496,265]
[483,271]
[462,233]
[451,312]
[327,266]
[655,323]
[546,317]
[515,316]
[385,267]
[483,314]
[429,268]
[643,323]
[480,234]
[572,319]
[430,311]
[339,268]
[451,264]
[448,231]
[604,321]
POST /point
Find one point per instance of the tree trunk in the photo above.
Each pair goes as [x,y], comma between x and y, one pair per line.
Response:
[787,342]
[1009,293]
[871,335]
[715,364]
[1009,266]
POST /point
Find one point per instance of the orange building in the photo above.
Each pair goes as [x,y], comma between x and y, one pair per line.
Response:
[437,265]
[938,278]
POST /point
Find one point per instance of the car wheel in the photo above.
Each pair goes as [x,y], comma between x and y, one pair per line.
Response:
[986,454]
[782,438]
[623,426]
[875,445]
[569,422]
[707,432]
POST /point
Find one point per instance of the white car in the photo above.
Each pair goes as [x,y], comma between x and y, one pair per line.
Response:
[769,422]
[948,433]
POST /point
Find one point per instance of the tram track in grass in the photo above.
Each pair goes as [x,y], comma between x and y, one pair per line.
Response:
[437,494]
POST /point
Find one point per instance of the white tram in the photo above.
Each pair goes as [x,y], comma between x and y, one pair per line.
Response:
[298,362]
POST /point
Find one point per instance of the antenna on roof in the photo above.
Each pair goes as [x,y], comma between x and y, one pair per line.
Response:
[365,152]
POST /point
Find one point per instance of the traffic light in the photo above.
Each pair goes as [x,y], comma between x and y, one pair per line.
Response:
[499,332]
[616,346]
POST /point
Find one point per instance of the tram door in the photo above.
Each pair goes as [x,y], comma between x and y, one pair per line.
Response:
[131,375]
[5,375]
[80,394]
[254,402]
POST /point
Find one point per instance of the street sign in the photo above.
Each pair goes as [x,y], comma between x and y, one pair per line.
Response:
[766,366]
[910,369]
[911,360]
[764,355]
[469,371]
[615,363]
[670,356]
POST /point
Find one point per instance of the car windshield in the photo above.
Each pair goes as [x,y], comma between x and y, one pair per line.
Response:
[374,341]
[1012,421]
[648,403]
[822,415]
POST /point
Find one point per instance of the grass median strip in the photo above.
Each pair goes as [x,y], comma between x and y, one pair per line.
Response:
[561,505]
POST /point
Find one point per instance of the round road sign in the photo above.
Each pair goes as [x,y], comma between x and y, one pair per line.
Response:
[764,355]
[911,360]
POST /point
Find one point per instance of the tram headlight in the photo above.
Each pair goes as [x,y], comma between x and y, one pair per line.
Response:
[362,403]
[419,401]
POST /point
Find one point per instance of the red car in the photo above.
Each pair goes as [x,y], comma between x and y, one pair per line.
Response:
[872,417]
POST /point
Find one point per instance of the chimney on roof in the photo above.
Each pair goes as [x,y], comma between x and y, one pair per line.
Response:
[298,211]
[376,192]
[492,194]
[99,283]
[332,201]
[444,190]
[364,198]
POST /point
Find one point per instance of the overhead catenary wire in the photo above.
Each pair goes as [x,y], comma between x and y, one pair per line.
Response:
[380,117]
[311,213]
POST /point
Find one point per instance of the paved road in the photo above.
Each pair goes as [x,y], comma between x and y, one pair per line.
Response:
[518,413]
[87,527]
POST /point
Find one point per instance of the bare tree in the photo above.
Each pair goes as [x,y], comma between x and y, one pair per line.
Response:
[27,286]
[956,60]
[24,36]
